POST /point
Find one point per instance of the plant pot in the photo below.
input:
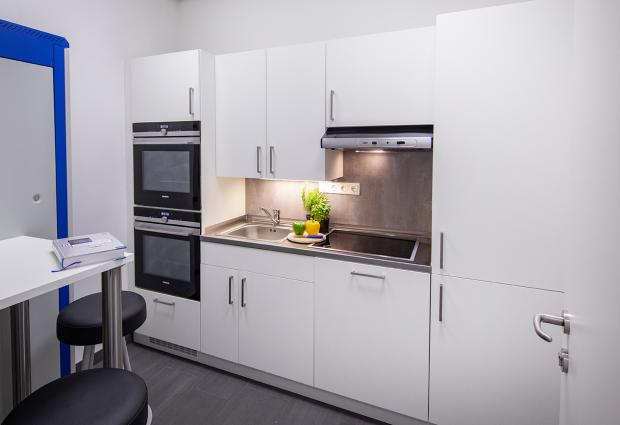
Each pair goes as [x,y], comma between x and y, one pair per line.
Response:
[324,226]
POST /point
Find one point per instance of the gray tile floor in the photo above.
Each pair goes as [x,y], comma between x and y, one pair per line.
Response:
[182,392]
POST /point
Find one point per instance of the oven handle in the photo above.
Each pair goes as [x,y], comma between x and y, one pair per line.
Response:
[169,230]
[166,140]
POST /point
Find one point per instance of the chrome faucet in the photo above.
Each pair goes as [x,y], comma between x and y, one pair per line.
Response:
[274,216]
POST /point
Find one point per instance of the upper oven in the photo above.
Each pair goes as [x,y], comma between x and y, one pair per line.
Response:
[166,164]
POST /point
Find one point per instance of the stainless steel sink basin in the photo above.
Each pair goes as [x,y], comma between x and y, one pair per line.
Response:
[260,232]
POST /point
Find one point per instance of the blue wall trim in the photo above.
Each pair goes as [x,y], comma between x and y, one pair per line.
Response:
[41,48]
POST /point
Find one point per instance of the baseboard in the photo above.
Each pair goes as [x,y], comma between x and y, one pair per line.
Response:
[303,390]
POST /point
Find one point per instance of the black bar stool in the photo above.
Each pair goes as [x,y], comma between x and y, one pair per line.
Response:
[80,323]
[93,397]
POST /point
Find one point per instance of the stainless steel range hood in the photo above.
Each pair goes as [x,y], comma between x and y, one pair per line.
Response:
[392,138]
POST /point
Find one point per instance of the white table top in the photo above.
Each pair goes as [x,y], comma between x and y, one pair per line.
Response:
[26,266]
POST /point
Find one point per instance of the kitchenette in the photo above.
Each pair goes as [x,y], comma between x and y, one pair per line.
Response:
[323,223]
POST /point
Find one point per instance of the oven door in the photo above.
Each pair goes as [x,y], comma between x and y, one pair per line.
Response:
[168,259]
[167,172]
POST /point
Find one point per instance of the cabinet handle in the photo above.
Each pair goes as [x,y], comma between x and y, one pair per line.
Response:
[332,116]
[441,250]
[374,276]
[158,301]
[259,153]
[272,150]
[230,282]
[243,292]
[191,101]
[441,302]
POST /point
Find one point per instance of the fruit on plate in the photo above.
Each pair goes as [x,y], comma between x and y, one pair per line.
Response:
[299,228]
[312,227]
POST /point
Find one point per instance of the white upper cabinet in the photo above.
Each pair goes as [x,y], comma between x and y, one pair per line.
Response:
[487,366]
[296,113]
[503,81]
[371,335]
[241,120]
[166,87]
[381,79]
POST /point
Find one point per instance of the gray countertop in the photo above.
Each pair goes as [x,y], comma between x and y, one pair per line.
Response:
[215,234]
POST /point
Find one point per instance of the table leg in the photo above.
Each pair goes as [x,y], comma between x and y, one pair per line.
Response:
[112,318]
[20,351]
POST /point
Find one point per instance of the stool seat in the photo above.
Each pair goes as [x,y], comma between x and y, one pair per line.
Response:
[93,397]
[80,323]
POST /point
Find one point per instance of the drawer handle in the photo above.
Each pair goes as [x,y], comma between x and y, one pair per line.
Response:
[243,292]
[374,276]
[230,282]
[441,302]
[158,301]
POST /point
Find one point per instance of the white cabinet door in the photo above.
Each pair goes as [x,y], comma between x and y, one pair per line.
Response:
[275,326]
[240,116]
[296,112]
[219,289]
[371,335]
[503,78]
[381,79]
[166,87]
[171,319]
[488,367]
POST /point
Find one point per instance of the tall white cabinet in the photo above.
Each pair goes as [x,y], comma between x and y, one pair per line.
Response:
[381,79]
[166,87]
[502,123]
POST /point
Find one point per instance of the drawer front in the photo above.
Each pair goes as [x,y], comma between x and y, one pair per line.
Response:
[172,319]
[290,266]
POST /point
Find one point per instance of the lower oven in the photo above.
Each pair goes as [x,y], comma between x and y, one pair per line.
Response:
[167,245]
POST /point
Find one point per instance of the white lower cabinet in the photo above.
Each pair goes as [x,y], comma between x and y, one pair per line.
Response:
[372,335]
[275,326]
[220,321]
[171,319]
[488,367]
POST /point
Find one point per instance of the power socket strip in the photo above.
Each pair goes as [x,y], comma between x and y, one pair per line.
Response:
[340,188]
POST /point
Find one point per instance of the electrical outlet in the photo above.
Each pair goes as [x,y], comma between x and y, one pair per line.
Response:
[340,188]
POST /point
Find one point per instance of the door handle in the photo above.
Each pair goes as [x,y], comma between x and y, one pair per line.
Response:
[259,153]
[272,150]
[541,318]
[230,282]
[441,302]
[191,101]
[243,292]
[441,250]
[332,116]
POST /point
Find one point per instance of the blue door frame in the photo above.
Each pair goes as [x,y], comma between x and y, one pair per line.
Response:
[33,46]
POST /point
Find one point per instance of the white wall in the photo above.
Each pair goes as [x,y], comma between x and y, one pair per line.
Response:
[102,34]
[222,26]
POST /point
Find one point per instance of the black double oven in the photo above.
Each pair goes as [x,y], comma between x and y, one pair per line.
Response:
[166,164]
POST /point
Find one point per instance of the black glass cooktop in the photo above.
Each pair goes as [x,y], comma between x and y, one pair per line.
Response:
[368,243]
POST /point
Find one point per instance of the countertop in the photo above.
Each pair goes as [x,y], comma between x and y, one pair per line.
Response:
[421,262]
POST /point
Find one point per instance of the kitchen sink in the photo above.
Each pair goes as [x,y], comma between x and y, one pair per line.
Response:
[260,232]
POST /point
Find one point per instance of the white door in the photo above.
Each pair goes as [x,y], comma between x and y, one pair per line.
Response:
[502,114]
[381,79]
[487,366]
[166,87]
[275,326]
[240,114]
[371,335]
[219,289]
[296,112]
[592,385]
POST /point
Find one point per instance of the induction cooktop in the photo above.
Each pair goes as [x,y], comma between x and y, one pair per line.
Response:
[370,243]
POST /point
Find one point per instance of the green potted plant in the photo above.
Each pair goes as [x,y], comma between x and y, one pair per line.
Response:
[317,207]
